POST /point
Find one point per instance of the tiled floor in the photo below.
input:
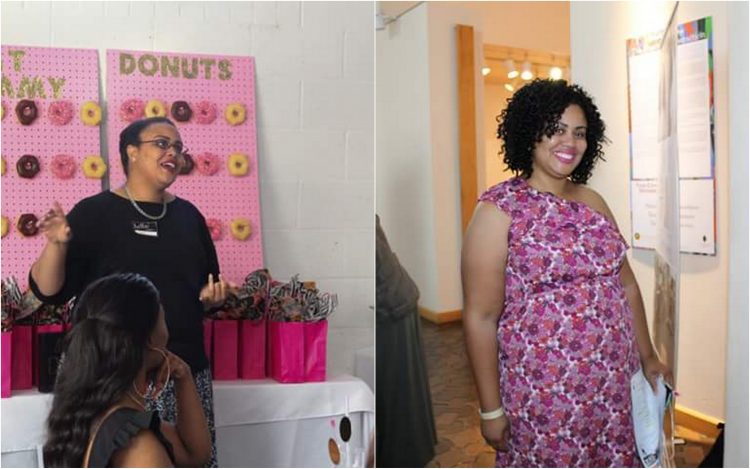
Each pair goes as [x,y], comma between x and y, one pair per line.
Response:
[460,443]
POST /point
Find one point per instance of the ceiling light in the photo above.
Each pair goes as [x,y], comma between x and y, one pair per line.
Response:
[509,87]
[511,66]
[555,73]
[486,71]
[526,74]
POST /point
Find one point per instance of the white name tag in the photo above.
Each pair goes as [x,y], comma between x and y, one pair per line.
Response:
[146,228]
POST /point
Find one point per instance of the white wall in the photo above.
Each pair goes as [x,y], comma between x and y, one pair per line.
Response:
[417,55]
[736,448]
[404,169]
[314,91]
[598,34]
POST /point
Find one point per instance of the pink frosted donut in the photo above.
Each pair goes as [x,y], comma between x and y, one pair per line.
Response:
[214,227]
[207,163]
[205,112]
[132,110]
[63,166]
[60,112]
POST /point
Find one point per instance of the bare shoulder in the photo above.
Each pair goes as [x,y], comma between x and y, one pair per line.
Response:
[488,219]
[144,450]
[592,198]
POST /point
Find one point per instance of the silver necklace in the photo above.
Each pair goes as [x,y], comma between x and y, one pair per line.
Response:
[140,210]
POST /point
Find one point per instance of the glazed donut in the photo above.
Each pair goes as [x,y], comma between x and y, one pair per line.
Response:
[181,111]
[26,111]
[214,227]
[94,167]
[235,114]
[188,165]
[2,111]
[91,113]
[155,108]
[63,166]
[207,164]
[4,227]
[237,164]
[205,112]
[131,110]
[240,228]
[3,167]
[27,166]
[60,112]
[26,224]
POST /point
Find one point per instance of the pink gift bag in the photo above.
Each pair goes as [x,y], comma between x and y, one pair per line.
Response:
[7,343]
[286,351]
[252,349]
[208,332]
[21,357]
[316,338]
[225,338]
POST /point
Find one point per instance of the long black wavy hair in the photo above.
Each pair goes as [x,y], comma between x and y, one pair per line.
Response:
[534,111]
[131,135]
[103,352]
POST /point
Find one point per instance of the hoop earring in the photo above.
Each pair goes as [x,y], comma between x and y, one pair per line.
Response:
[151,391]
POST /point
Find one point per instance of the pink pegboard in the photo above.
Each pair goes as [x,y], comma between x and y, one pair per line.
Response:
[79,68]
[220,196]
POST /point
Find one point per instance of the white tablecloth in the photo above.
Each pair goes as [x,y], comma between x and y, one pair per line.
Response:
[259,423]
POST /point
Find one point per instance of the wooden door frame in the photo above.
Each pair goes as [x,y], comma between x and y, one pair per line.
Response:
[467,125]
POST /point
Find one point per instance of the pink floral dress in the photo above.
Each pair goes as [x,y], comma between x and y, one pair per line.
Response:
[567,346]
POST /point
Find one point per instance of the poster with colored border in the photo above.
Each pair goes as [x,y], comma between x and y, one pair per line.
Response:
[50,133]
[695,135]
[211,99]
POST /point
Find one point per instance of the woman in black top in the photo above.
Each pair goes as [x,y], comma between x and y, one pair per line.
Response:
[98,416]
[140,227]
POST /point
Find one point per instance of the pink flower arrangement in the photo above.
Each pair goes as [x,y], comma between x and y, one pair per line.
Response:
[132,110]
[60,112]
[205,112]
[207,163]
[214,227]
[63,166]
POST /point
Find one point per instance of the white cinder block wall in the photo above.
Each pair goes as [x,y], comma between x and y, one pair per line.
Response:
[314,94]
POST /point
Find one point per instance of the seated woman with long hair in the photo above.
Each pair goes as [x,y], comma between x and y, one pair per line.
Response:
[115,359]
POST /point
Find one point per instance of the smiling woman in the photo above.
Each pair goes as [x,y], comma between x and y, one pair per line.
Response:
[553,317]
[140,227]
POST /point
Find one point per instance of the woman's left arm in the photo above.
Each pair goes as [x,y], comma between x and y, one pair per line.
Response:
[652,366]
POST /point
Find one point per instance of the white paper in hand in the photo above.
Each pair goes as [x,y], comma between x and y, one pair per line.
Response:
[648,416]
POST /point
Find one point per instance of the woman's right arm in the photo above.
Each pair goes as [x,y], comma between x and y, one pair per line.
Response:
[48,272]
[483,260]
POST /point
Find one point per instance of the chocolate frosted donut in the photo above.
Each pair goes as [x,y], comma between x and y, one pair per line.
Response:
[26,111]
[181,111]
[27,166]
[189,164]
[27,224]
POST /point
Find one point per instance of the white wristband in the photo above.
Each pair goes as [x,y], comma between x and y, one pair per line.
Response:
[492,415]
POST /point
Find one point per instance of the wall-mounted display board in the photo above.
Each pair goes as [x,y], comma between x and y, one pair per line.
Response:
[695,134]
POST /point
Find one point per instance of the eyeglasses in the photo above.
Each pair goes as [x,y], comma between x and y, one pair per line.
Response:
[164,145]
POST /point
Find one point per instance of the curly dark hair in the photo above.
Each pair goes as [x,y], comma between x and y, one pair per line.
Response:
[103,353]
[534,111]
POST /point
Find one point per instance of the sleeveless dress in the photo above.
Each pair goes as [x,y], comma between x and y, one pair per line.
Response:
[116,432]
[567,347]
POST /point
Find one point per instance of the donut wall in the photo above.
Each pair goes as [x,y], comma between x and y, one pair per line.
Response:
[211,99]
[50,143]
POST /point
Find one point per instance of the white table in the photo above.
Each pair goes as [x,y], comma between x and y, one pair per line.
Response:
[259,423]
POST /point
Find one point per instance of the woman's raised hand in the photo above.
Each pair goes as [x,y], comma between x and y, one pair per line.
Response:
[55,226]
[215,293]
